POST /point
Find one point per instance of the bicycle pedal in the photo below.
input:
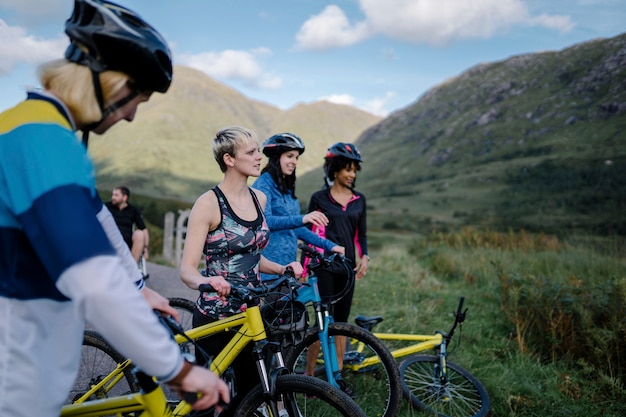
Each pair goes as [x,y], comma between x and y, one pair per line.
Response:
[347,389]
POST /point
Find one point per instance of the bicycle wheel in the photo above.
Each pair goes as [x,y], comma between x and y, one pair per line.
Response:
[459,395]
[185,310]
[98,360]
[301,396]
[378,387]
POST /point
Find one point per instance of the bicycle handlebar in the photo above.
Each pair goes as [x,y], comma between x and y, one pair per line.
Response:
[459,317]
[460,307]
[319,257]
[247,294]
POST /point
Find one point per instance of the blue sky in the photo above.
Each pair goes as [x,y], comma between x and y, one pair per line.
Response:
[377,55]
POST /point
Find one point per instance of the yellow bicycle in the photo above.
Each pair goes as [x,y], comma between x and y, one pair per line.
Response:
[294,395]
[430,381]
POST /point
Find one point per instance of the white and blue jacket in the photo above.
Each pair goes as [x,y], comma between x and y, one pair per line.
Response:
[62,262]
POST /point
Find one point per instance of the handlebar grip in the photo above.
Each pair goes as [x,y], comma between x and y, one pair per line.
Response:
[190,397]
[459,310]
[206,288]
[309,250]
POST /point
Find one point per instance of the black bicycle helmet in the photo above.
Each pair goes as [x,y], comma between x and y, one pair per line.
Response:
[106,36]
[346,150]
[282,142]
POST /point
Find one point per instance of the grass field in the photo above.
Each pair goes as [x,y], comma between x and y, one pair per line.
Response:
[546,329]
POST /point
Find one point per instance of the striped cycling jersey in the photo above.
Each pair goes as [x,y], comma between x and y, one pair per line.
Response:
[61,264]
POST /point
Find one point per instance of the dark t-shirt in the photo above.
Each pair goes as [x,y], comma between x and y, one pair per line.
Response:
[125,220]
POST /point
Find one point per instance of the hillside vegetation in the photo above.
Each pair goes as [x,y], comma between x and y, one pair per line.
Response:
[545,330]
[166,151]
[536,141]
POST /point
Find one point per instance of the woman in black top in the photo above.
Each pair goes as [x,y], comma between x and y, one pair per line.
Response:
[346,212]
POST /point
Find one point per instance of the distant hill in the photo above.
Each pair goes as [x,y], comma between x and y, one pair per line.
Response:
[536,141]
[166,151]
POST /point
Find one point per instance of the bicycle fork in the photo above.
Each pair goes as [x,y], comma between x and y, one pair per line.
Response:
[327,345]
[441,374]
[268,379]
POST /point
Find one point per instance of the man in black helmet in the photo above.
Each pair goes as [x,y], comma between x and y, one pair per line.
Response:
[62,258]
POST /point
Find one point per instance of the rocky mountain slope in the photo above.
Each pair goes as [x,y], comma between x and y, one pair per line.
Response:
[536,141]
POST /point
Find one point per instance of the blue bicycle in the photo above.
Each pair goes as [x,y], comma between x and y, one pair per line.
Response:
[376,389]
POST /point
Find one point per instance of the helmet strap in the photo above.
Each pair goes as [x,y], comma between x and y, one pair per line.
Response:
[106,112]
[97,88]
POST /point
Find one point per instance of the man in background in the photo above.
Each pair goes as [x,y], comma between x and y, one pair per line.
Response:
[130,222]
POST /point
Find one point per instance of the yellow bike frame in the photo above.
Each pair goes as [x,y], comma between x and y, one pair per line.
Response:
[250,328]
[426,342]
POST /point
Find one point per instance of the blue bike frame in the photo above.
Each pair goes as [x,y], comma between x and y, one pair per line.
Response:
[309,293]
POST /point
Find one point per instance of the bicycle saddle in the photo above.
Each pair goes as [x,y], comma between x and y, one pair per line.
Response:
[367,323]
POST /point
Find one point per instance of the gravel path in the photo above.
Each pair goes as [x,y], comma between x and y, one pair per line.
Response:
[165,281]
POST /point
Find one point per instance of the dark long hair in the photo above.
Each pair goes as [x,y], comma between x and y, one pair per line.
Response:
[286,183]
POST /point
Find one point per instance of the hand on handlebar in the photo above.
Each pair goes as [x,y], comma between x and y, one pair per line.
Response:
[158,302]
[213,391]
[339,249]
[296,267]
[220,286]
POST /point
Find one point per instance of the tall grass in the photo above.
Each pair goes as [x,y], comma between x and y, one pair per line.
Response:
[546,325]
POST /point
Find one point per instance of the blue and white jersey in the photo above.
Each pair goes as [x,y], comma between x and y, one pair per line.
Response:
[60,265]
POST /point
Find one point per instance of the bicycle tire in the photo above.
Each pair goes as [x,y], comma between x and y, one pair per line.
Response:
[311,396]
[462,396]
[380,387]
[185,310]
[99,359]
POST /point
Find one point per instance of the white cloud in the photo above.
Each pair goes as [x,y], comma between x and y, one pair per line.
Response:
[422,21]
[16,46]
[330,29]
[562,24]
[375,106]
[346,99]
[233,65]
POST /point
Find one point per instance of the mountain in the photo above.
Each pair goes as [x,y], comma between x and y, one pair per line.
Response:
[166,151]
[536,141]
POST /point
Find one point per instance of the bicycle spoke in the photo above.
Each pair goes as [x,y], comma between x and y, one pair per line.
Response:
[459,394]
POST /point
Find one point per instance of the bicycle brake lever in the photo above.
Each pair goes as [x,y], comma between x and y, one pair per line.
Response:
[192,397]
[169,323]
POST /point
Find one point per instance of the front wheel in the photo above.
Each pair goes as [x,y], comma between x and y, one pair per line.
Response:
[369,370]
[98,360]
[300,396]
[457,394]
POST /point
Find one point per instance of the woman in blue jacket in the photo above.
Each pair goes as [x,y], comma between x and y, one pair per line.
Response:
[278,183]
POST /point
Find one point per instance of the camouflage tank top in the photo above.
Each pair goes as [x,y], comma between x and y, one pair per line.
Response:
[233,251]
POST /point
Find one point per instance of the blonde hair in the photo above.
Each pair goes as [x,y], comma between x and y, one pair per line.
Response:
[228,139]
[73,84]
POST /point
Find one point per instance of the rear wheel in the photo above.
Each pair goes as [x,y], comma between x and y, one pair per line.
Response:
[98,360]
[300,396]
[376,388]
[457,394]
